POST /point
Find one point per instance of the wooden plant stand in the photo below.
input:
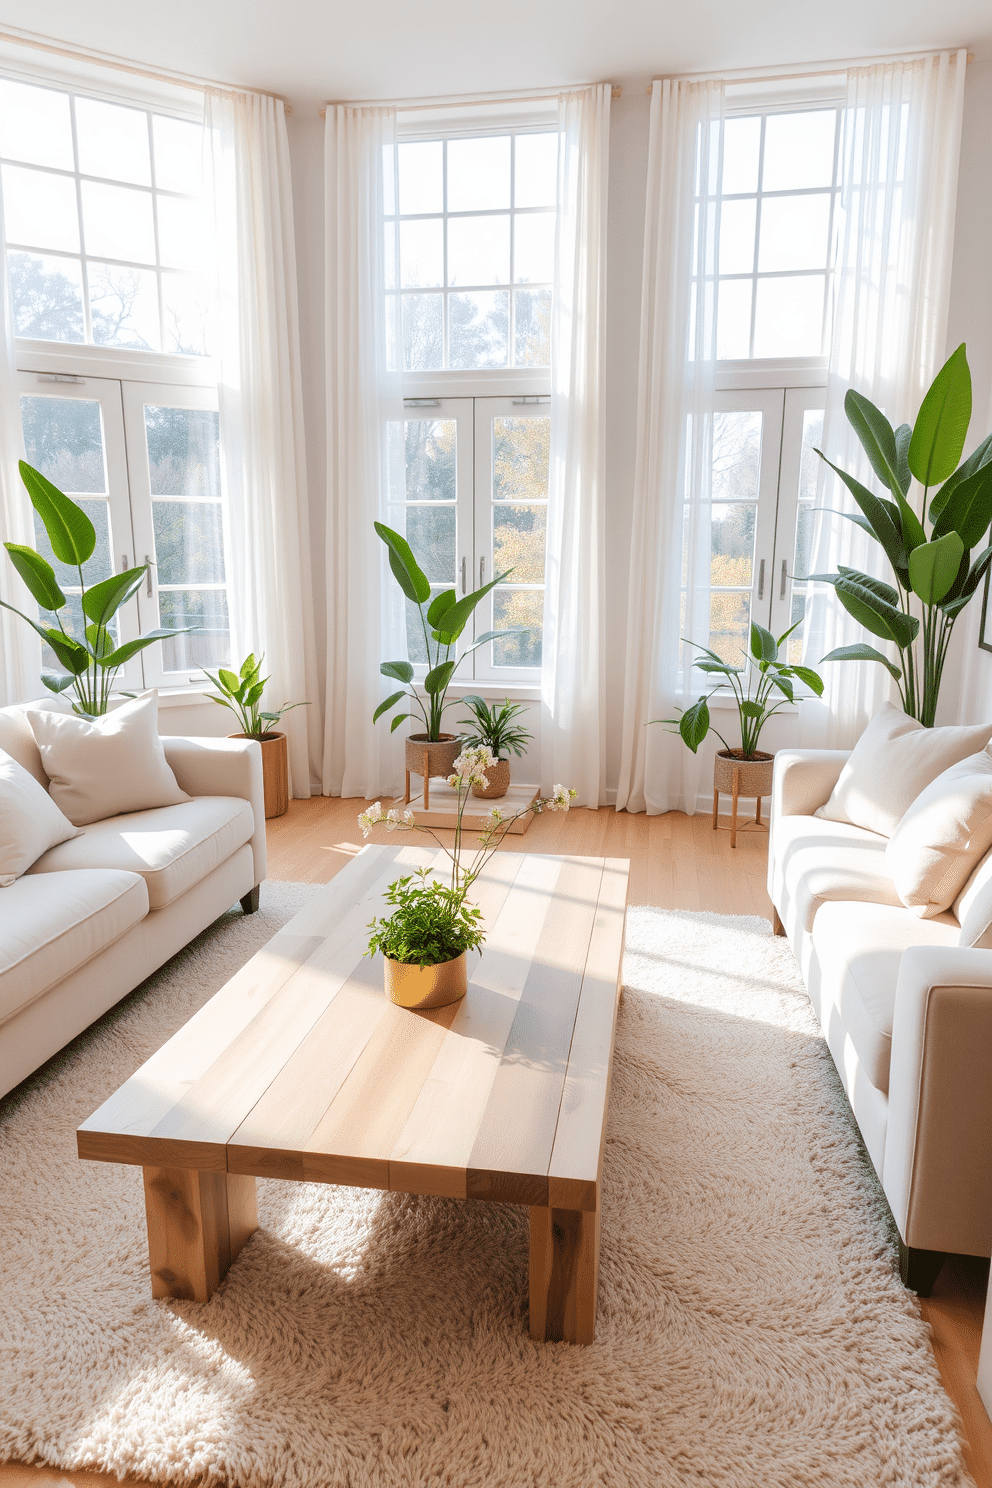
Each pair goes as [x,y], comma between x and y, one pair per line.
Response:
[751,778]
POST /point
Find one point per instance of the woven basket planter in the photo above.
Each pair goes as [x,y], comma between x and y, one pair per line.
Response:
[436,758]
[498,776]
[754,777]
[275,771]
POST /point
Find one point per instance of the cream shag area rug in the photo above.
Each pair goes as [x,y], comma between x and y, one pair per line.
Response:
[752,1328]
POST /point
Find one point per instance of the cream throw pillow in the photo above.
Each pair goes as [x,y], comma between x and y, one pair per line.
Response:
[973,907]
[943,837]
[894,760]
[100,767]
[30,821]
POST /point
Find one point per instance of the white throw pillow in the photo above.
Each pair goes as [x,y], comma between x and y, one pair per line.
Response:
[30,821]
[942,837]
[100,767]
[973,907]
[894,760]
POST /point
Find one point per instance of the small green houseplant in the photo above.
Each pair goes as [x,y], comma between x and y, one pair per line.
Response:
[241,692]
[495,728]
[92,659]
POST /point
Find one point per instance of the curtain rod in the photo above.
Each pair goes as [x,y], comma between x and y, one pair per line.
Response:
[411,105]
[832,69]
[103,59]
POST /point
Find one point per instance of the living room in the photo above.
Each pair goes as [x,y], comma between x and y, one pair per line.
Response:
[511,1005]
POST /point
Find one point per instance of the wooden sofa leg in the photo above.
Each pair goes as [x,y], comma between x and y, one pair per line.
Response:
[777,927]
[250,901]
[919,1269]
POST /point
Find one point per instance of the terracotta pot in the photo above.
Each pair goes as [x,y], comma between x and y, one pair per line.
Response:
[499,782]
[430,758]
[275,771]
[426,986]
[755,778]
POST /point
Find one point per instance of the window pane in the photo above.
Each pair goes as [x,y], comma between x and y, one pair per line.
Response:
[186,311]
[479,174]
[40,210]
[532,327]
[518,542]
[430,459]
[736,455]
[423,334]
[794,232]
[518,607]
[534,248]
[421,177]
[737,236]
[183,452]
[479,250]
[799,150]
[113,142]
[189,542]
[35,125]
[47,296]
[730,622]
[118,222]
[416,647]
[789,317]
[732,544]
[733,326]
[209,645]
[478,329]
[124,307]
[521,449]
[178,154]
[430,531]
[804,540]
[809,467]
[422,252]
[99,566]
[182,232]
[536,170]
[741,144]
[63,438]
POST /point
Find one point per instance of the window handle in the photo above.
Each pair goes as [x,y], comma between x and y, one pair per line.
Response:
[123,562]
[463,575]
[761,579]
[148,576]
[781,592]
[482,572]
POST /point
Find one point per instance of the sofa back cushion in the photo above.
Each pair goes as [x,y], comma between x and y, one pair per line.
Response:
[973,907]
[30,821]
[943,837]
[894,760]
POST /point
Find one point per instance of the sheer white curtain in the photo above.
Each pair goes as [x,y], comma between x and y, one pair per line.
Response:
[670,539]
[20,648]
[572,676]
[261,411]
[899,170]
[364,399]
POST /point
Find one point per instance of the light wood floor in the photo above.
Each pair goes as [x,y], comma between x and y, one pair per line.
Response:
[676,862]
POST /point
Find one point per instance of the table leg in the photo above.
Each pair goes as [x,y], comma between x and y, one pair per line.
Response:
[406,797]
[734,792]
[564,1274]
[716,807]
[427,780]
[197,1225]
[757,813]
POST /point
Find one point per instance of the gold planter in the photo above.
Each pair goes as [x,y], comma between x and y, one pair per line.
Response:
[741,777]
[498,776]
[428,758]
[275,771]
[426,986]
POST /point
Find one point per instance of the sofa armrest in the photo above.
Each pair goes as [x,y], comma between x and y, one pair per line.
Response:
[803,779]
[937,1168]
[222,767]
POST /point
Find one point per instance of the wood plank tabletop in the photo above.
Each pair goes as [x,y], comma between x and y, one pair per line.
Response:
[301,1068]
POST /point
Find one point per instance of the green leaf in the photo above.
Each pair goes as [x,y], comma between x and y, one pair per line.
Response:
[942,423]
[861,652]
[390,702]
[750,709]
[763,643]
[57,681]
[883,516]
[131,648]
[250,667]
[456,616]
[902,436]
[876,436]
[876,614]
[70,531]
[400,718]
[694,724]
[437,679]
[101,640]
[228,681]
[934,567]
[254,693]
[406,570]
[103,600]
[400,671]
[784,685]
[812,680]
[39,576]
[954,603]
[968,508]
[441,602]
[493,635]
[715,666]
[978,457]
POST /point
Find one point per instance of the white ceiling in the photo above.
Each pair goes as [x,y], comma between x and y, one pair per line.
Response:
[313,50]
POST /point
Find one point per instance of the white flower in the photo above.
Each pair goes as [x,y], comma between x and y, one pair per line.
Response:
[470,768]
[561,798]
[368,819]
[495,817]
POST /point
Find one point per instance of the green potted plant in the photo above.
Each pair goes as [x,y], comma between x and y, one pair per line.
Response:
[241,692]
[936,577]
[426,940]
[442,619]
[494,728]
[92,659]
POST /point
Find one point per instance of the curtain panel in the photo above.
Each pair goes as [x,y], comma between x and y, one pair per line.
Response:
[668,591]
[20,646]
[900,146]
[261,411]
[573,684]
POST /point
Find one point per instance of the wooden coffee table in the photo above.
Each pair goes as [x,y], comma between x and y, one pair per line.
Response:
[300,1068]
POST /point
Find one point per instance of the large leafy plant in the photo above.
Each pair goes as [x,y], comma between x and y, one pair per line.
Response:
[495,727]
[772,681]
[442,619]
[93,659]
[936,576]
[242,692]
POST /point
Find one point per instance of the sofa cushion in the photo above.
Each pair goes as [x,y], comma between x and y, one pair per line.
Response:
[857,950]
[30,821]
[943,836]
[53,924]
[973,907]
[893,761]
[826,860]
[172,847]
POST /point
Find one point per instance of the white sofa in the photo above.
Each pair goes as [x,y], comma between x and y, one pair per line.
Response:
[906,1010]
[96,915]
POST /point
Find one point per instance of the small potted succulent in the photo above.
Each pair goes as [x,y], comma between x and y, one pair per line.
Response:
[495,729]
[242,693]
[426,940]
